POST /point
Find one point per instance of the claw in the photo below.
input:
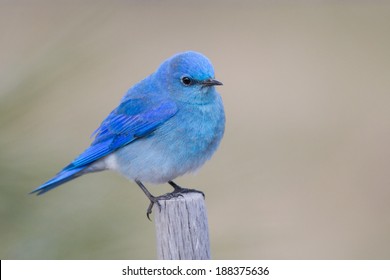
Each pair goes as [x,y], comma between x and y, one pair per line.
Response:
[149,210]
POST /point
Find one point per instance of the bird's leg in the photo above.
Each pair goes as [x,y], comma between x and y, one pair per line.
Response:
[152,199]
[178,191]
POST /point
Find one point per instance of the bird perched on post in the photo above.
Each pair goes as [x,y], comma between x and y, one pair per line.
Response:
[166,125]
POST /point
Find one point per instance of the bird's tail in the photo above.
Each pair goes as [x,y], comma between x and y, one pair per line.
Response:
[62,177]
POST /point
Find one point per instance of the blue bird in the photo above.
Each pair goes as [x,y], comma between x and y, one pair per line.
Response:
[166,125]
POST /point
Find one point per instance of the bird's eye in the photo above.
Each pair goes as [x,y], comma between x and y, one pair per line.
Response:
[186,81]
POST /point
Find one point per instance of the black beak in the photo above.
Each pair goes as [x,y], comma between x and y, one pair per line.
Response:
[211,82]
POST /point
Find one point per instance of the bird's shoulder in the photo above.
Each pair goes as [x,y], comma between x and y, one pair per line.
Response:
[141,110]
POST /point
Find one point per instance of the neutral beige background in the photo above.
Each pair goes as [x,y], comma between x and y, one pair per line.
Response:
[302,173]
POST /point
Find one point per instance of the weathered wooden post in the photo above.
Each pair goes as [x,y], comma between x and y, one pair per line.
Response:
[182,228]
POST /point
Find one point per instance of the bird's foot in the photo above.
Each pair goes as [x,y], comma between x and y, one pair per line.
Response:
[156,200]
[177,192]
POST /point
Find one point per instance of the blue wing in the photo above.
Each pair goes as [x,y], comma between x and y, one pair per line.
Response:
[132,119]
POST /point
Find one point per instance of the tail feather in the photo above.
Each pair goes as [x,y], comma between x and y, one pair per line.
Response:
[64,176]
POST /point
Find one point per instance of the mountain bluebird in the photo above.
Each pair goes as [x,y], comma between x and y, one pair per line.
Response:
[166,125]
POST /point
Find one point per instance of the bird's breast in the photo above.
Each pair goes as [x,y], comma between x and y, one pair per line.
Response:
[180,145]
[196,133]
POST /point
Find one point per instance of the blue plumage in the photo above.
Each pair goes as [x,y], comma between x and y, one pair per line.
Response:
[168,124]
[120,128]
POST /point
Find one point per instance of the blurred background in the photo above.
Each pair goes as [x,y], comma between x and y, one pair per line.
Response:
[302,173]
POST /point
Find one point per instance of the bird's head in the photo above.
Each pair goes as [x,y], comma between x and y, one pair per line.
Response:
[189,76]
